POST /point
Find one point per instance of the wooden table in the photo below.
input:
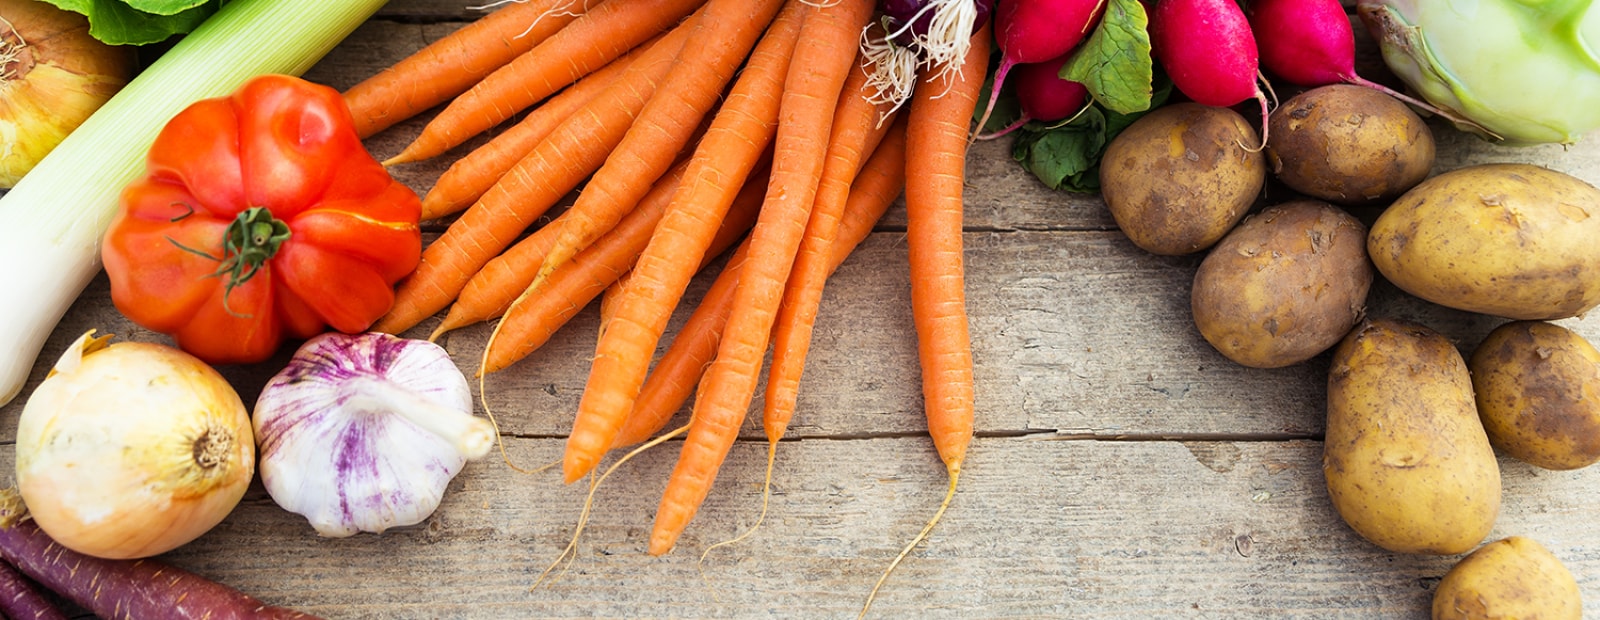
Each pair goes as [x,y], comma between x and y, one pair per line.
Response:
[1122,467]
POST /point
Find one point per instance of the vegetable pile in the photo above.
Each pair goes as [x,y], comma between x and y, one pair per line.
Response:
[669,180]
[55,217]
[1412,428]
[777,132]
[688,124]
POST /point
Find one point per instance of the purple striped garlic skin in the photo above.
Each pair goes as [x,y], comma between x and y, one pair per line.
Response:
[347,432]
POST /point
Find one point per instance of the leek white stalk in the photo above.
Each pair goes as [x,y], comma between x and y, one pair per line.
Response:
[52,221]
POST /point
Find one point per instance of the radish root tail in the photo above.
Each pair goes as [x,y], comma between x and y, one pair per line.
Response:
[955,474]
[1423,105]
[994,93]
[1266,123]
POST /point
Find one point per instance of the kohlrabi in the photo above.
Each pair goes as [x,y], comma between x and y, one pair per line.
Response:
[1527,70]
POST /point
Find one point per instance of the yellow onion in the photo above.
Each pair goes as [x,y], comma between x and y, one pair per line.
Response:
[53,75]
[132,449]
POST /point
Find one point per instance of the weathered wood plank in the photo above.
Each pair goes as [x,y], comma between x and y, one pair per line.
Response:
[1040,528]
[1075,333]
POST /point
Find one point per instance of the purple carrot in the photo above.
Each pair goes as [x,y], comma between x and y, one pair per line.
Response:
[121,589]
[20,598]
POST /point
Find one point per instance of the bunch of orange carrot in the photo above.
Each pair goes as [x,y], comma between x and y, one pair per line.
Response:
[689,124]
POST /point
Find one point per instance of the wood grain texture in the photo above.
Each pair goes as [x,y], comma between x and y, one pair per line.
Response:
[1123,469]
[1040,528]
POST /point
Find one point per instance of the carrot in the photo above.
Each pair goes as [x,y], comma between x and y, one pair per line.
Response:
[721,42]
[490,292]
[811,93]
[594,40]
[723,159]
[856,132]
[533,318]
[448,67]
[735,224]
[144,588]
[21,598]
[561,161]
[469,177]
[936,147]
[505,278]
[674,377]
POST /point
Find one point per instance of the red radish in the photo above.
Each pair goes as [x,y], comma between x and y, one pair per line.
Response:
[1208,50]
[1044,95]
[1033,31]
[1311,43]
[120,588]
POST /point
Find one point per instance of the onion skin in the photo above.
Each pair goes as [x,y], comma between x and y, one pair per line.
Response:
[133,451]
[57,76]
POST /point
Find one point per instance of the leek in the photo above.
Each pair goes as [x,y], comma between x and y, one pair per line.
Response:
[52,221]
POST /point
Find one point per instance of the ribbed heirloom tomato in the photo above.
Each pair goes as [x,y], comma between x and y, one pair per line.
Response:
[261,217]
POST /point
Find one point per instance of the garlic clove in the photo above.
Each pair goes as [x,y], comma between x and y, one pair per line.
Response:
[363,433]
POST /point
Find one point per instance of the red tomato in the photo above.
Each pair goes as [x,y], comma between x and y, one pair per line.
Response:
[261,217]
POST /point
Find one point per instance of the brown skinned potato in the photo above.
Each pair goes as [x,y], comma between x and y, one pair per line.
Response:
[1407,462]
[1538,387]
[1509,240]
[1514,577]
[1181,177]
[1286,284]
[1349,145]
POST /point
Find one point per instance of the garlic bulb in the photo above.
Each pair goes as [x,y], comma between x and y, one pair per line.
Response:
[132,449]
[361,433]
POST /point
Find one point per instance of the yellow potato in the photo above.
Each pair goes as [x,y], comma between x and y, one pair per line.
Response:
[1538,387]
[1180,177]
[1285,285]
[1513,577]
[1510,240]
[1407,462]
[1348,144]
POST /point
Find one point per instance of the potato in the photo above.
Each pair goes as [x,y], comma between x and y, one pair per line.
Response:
[1407,462]
[1349,145]
[1514,577]
[1509,240]
[1284,285]
[1538,387]
[1181,177]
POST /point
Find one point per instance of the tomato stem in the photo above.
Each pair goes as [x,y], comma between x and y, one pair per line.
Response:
[248,242]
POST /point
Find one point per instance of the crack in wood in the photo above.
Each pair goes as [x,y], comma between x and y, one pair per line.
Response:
[1025,434]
